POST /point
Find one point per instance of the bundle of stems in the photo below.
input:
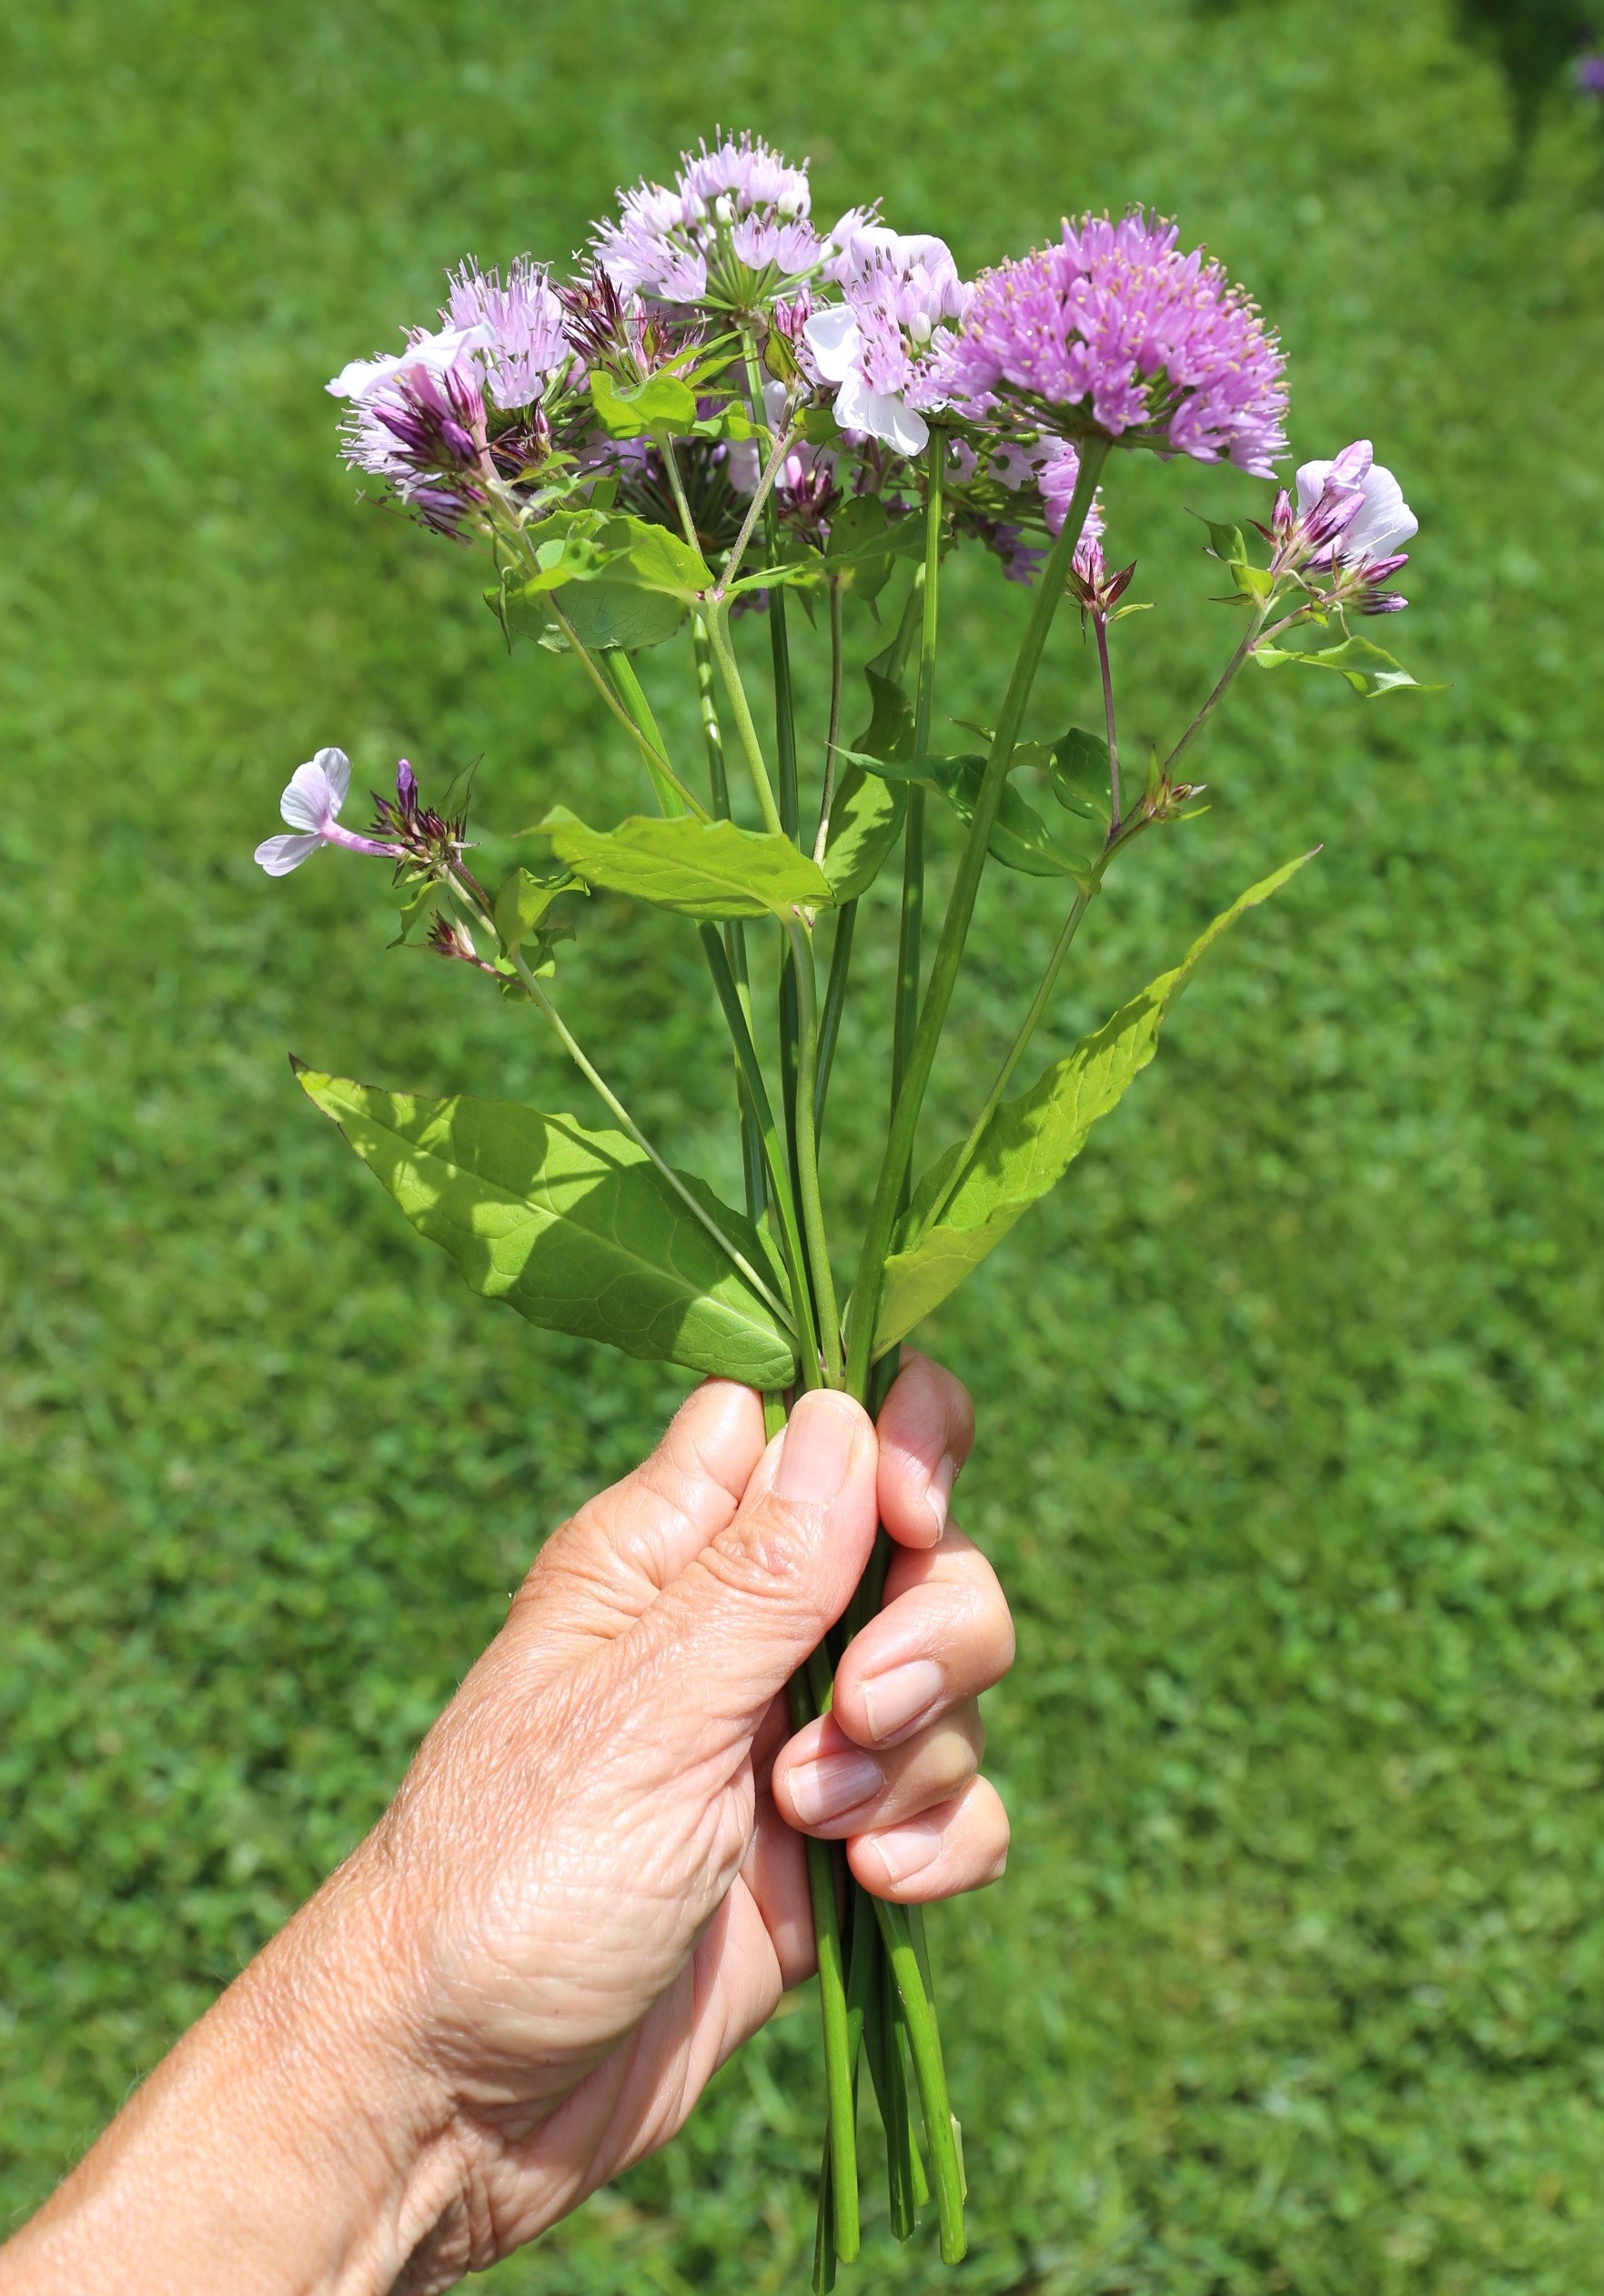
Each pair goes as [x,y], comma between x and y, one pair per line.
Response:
[877,1995]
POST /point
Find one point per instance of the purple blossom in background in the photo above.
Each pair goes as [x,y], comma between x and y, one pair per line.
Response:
[311,804]
[1057,467]
[736,215]
[883,345]
[514,331]
[1589,74]
[1115,324]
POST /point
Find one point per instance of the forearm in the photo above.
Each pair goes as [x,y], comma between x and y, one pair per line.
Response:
[288,2145]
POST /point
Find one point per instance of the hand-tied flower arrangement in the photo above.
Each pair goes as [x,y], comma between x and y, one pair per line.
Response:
[721,407]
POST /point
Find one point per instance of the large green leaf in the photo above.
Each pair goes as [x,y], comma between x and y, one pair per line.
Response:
[577,1230]
[1029,1143]
[866,816]
[625,582]
[605,613]
[705,869]
[1020,839]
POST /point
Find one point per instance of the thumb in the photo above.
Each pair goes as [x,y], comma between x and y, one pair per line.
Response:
[736,1621]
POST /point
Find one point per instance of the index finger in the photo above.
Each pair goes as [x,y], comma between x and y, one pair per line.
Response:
[926,1432]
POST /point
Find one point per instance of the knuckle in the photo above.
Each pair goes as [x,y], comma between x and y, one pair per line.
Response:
[770,1553]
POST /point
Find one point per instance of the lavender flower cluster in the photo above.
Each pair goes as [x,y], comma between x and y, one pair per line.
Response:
[866,336]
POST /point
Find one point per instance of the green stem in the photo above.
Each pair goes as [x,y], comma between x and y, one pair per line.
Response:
[1106,668]
[1016,1053]
[883,2051]
[707,704]
[913,918]
[773,1151]
[833,732]
[1226,678]
[949,953]
[619,671]
[751,1146]
[807,1156]
[779,635]
[754,509]
[784,702]
[671,463]
[925,2047]
[838,2055]
[840,958]
[657,765]
[751,748]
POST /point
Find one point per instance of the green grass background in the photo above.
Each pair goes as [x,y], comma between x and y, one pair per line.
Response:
[1290,1400]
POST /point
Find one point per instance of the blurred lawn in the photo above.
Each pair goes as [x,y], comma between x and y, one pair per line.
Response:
[1291,1400]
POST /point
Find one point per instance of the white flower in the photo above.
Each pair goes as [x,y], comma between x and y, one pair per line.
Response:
[433,353]
[836,341]
[310,804]
[880,345]
[1383,521]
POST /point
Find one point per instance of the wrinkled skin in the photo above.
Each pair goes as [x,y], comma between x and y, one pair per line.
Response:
[589,1890]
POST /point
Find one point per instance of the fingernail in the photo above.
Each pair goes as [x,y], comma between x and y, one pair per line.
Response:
[905,1850]
[818,1448]
[940,1490]
[892,1700]
[834,1784]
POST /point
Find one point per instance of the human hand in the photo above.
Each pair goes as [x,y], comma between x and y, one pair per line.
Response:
[587,1891]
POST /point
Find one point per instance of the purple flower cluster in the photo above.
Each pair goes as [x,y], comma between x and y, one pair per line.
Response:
[516,329]
[1113,329]
[734,225]
[1110,330]
[420,420]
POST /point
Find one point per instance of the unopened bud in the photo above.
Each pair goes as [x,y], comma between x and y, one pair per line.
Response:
[446,938]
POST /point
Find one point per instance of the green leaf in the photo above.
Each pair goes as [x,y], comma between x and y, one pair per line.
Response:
[523,901]
[1029,1143]
[1080,775]
[1368,669]
[864,541]
[662,403]
[626,582]
[591,545]
[1227,544]
[607,613]
[889,734]
[1020,839]
[706,870]
[866,817]
[577,1230]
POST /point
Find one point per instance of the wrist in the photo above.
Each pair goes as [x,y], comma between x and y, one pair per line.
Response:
[294,2143]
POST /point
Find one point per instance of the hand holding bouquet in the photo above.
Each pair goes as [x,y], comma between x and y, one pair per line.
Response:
[723,407]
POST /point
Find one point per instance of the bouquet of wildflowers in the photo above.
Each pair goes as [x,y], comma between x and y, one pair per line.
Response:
[721,410]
